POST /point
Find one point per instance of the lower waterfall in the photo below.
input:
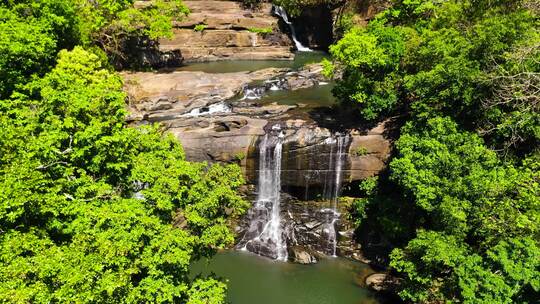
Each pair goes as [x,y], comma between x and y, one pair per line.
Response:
[269,230]
[265,234]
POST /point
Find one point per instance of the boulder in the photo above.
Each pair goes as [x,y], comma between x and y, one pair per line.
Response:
[300,255]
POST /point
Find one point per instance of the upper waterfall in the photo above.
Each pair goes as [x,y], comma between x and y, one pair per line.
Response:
[280,11]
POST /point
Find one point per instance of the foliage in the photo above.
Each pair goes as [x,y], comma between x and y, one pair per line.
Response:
[295,7]
[472,203]
[110,23]
[464,75]
[360,151]
[344,23]
[239,156]
[86,203]
[200,27]
[263,30]
[32,32]
[369,59]
[475,60]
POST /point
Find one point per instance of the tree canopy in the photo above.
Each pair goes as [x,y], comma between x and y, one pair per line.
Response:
[463,76]
[88,203]
[91,209]
[32,32]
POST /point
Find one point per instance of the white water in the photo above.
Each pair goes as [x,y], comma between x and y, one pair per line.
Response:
[280,11]
[252,93]
[268,199]
[332,187]
[220,107]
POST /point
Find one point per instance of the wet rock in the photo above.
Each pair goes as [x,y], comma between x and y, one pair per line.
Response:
[308,76]
[300,255]
[165,96]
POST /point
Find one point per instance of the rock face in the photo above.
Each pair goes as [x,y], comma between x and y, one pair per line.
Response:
[166,96]
[310,229]
[382,282]
[230,33]
[182,101]
[314,27]
[299,255]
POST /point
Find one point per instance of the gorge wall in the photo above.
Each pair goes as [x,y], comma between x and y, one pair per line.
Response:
[295,156]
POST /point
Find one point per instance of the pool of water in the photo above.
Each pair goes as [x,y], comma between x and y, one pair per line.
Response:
[301,59]
[256,280]
[316,96]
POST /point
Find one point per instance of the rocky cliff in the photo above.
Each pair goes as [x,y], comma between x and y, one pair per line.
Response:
[205,112]
[224,30]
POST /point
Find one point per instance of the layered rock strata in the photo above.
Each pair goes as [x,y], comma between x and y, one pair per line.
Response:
[224,30]
[204,111]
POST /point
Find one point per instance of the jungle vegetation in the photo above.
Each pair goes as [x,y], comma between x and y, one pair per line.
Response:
[463,76]
[87,203]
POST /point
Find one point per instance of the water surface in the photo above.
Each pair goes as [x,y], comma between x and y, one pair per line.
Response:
[300,59]
[316,96]
[256,280]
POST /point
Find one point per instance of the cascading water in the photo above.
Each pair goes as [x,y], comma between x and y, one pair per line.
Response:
[253,93]
[220,107]
[280,11]
[265,234]
[257,91]
[332,186]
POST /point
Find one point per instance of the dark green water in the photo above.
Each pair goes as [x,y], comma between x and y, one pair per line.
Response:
[256,280]
[300,59]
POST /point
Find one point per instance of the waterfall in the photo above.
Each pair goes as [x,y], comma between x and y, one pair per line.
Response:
[265,234]
[280,11]
[332,186]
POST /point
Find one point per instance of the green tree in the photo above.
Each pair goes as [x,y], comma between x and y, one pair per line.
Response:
[110,23]
[87,204]
[476,61]
[478,214]
[32,32]
[370,60]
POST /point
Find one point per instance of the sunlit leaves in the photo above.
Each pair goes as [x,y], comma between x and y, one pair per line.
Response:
[87,204]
